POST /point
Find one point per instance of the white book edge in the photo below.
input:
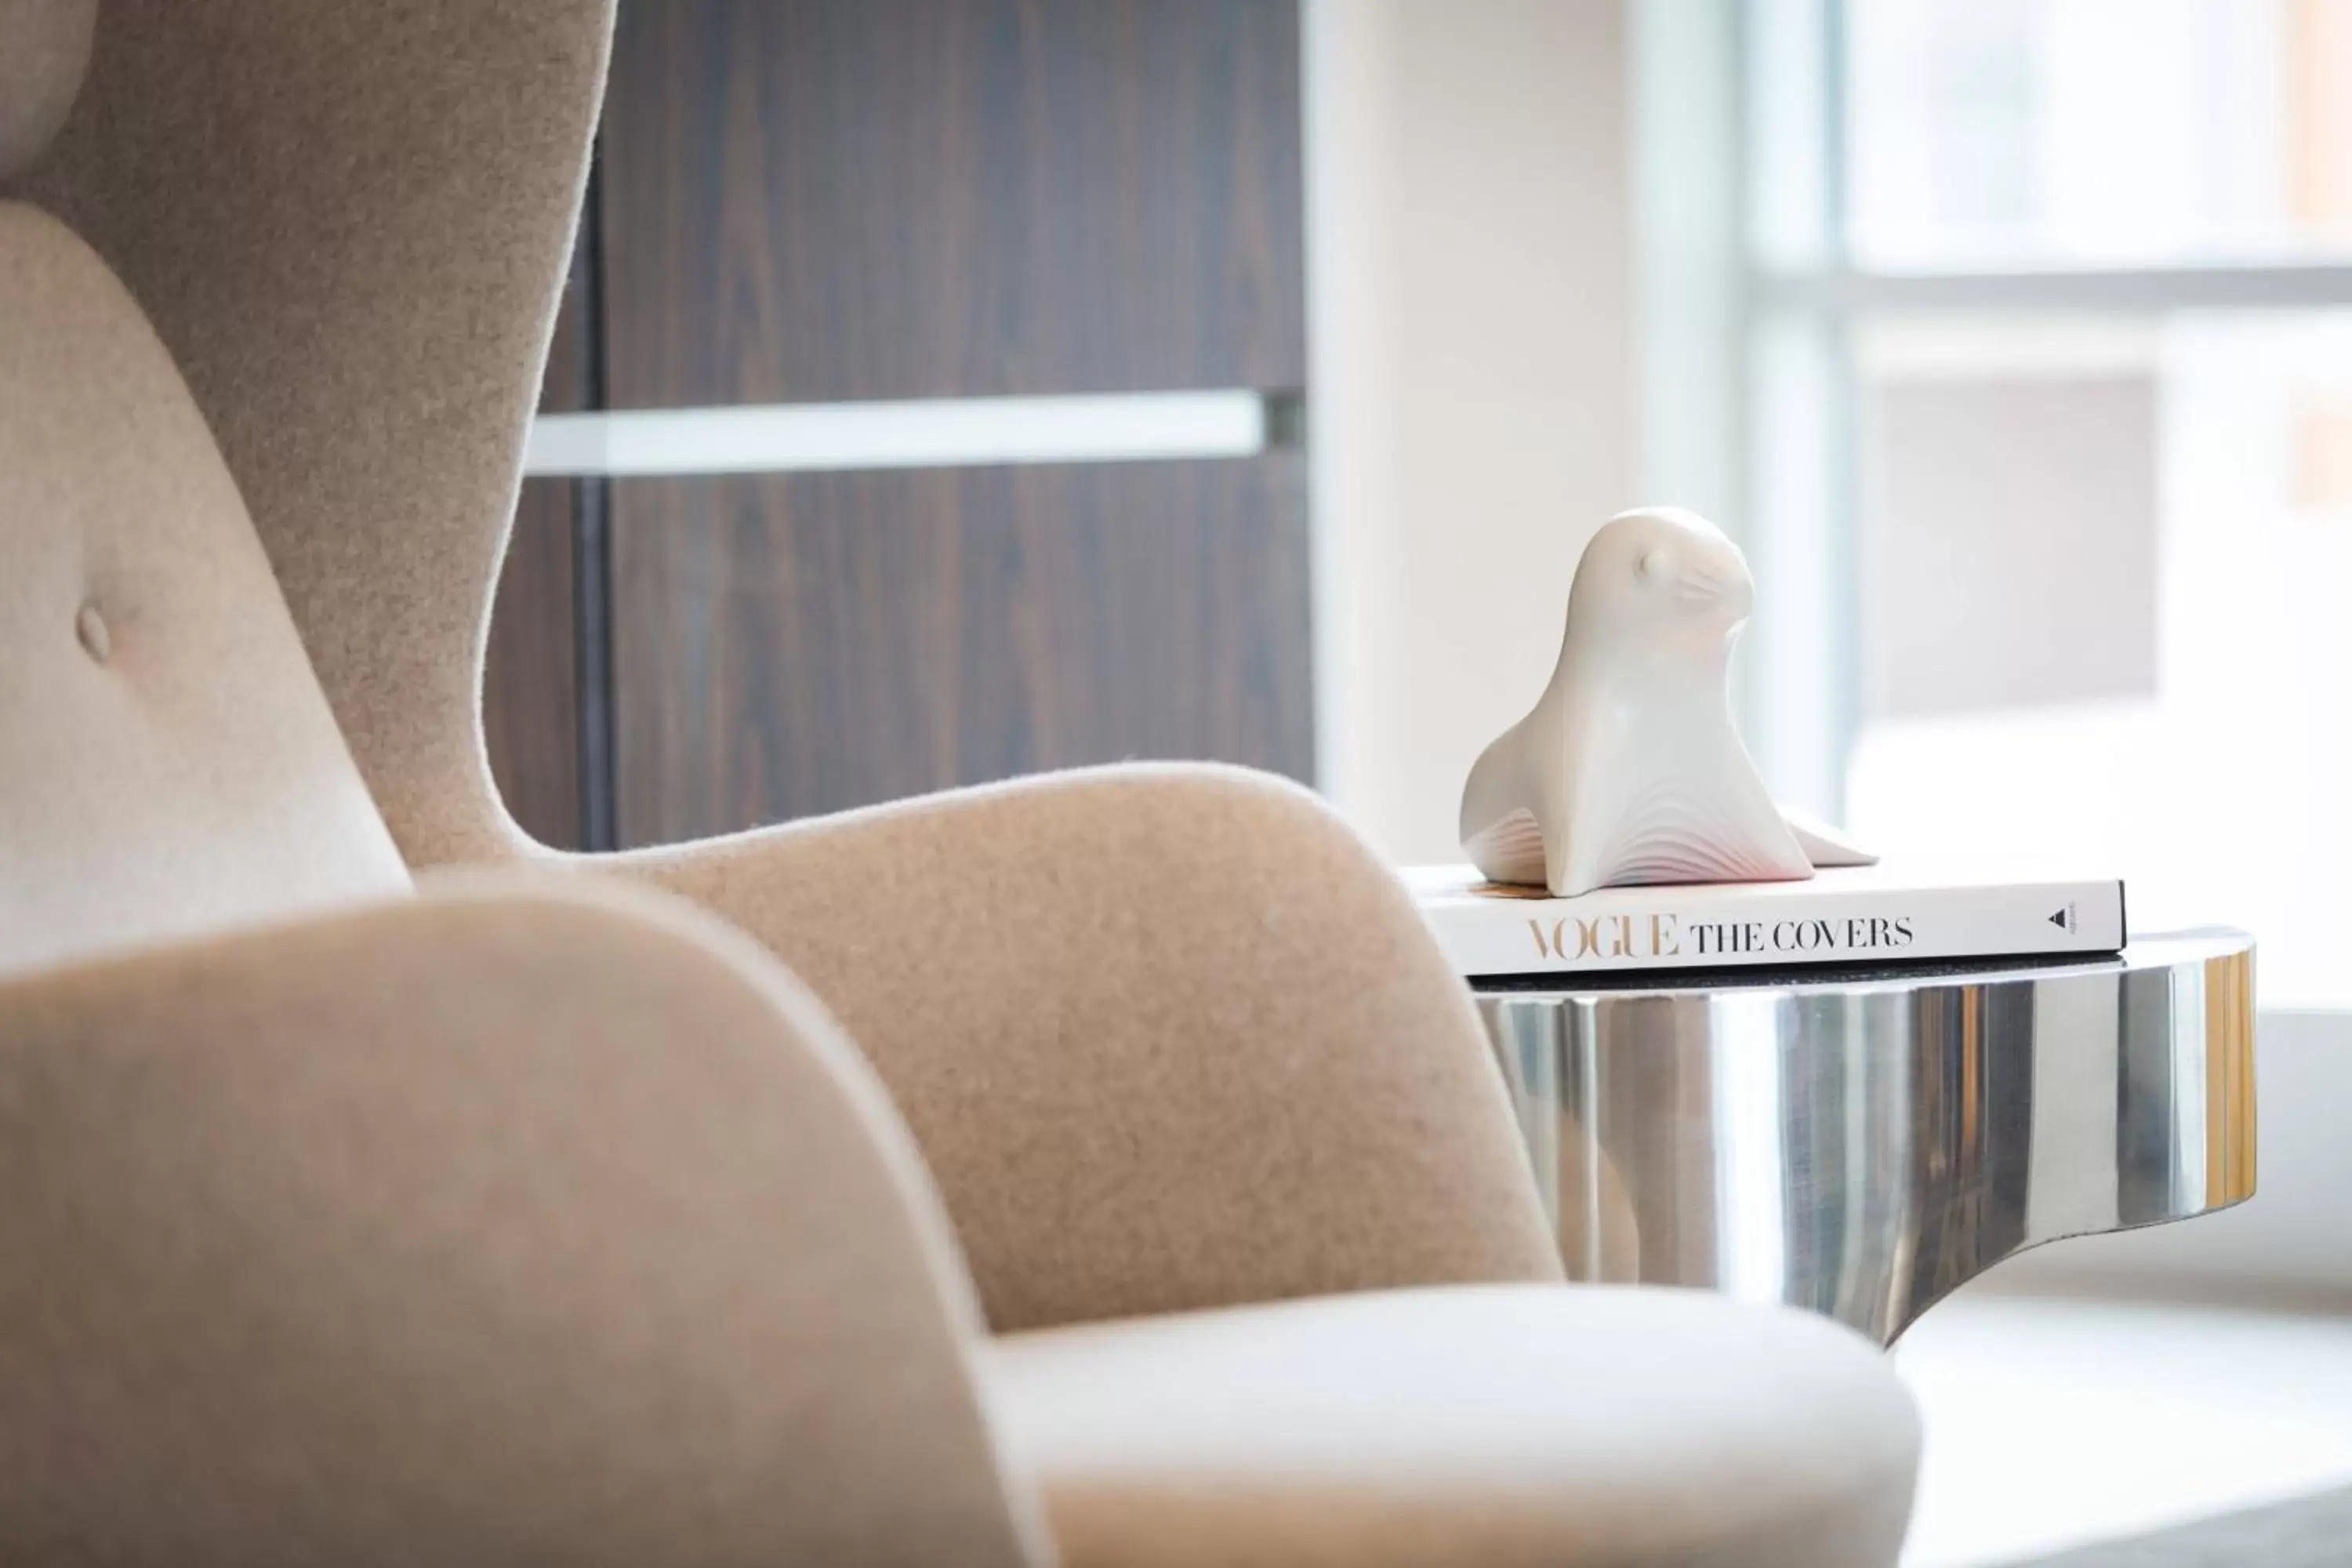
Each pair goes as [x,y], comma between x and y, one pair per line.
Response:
[1861,915]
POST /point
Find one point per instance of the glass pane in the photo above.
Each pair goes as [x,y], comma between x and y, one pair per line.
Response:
[2008,493]
[2105,566]
[2098,133]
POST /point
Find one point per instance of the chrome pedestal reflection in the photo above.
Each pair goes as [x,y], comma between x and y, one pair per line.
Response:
[1863,1143]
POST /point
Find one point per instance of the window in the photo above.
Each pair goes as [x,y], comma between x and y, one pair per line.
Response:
[2047,334]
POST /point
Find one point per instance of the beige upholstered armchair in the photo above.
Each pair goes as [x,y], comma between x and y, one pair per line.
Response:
[376,1186]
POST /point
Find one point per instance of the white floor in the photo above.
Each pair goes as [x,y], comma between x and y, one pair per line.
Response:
[2054,1421]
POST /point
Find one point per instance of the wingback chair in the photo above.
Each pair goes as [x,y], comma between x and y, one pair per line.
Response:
[1102,1168]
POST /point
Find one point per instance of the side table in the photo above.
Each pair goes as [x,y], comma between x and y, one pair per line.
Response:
[1863,1142]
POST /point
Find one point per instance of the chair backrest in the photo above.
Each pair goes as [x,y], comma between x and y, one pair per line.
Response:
[348,221]
[167,761]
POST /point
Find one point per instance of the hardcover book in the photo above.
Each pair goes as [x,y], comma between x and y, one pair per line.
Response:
[1842,915]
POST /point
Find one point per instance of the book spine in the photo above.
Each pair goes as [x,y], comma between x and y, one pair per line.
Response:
[1506,936]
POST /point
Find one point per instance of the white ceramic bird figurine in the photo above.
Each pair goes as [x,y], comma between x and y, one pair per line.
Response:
[1629,770]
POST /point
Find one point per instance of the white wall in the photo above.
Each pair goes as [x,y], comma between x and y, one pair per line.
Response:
[1471,313]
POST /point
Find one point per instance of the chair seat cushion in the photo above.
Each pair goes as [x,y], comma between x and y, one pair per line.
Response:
[1507,1425]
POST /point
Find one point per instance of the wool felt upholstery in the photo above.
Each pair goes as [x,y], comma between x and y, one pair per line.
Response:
[348,223]
[1170,1036]
[44,48]
[1429,1428]
[555,1222]
[167,762]
[493,1225]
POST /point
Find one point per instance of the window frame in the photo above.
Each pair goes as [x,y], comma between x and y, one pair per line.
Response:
[1802,300]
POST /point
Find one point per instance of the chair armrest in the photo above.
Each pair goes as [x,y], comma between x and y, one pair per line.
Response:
[1170,1036]
[504,1224]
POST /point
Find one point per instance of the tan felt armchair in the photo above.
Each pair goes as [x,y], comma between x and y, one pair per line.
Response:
[902,1187]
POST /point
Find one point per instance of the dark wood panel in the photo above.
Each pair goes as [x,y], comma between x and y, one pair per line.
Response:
[811,200]
[792,644]
[563,386]
[530,684]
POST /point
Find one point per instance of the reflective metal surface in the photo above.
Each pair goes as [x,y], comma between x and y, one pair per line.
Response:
[1863,1143]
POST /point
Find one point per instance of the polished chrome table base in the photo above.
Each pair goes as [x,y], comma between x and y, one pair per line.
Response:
[1860,1142]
